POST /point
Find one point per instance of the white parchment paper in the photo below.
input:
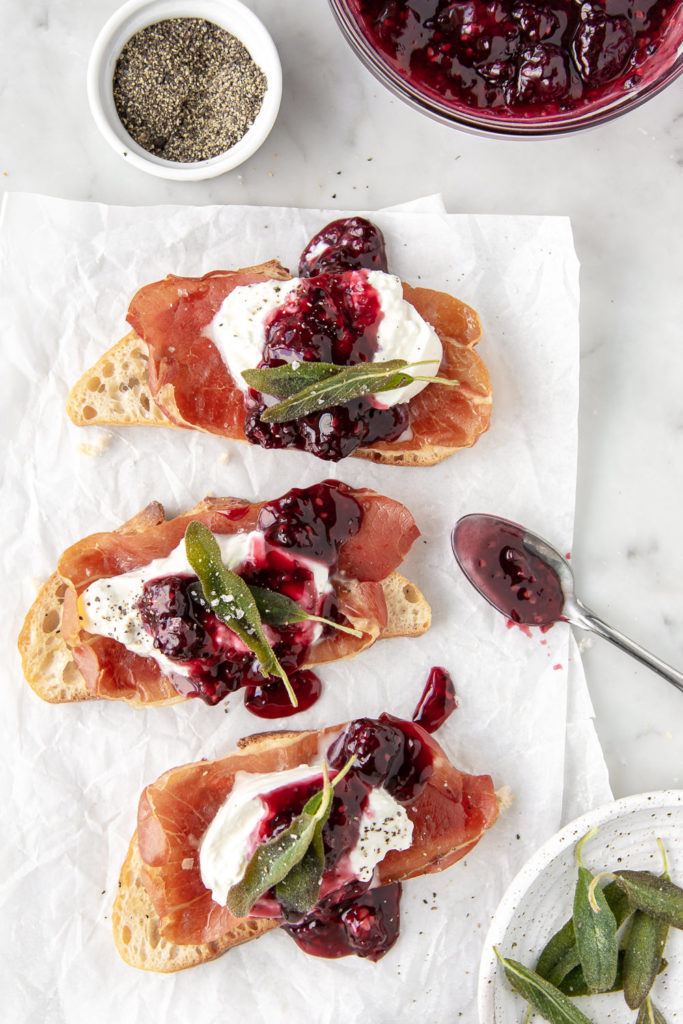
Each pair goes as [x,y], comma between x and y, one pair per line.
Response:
[74,772]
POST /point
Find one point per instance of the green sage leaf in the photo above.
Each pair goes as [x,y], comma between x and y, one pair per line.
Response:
[290,378]
[643,956]
[560,956]
[231,599]
[273,859]
[300,888]
[574,983]
[351,382]
[653,894]
[280,610]
[547,1000]
[596,934]
[649,1014]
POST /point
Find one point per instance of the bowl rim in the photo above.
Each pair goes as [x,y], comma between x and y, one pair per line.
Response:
[469,119]
[134,15]
[535,865]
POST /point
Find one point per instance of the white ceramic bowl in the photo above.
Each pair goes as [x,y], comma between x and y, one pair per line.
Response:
[539,901]
[231,15]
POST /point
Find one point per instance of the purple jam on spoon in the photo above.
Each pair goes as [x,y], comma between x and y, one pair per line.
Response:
[529,581]
[520,584]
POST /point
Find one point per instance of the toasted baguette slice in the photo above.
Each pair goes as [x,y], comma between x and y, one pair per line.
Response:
[136,923]
[115,391]
[52,673]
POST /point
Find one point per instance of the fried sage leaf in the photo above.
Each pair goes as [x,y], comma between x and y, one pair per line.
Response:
[654,894]
[351,382]
[290,378]
[574,983]
[560,955]
[280,610]
[547,1000]
[231,599]
[643,956]
[275,858]
[649,1014]
[596,930]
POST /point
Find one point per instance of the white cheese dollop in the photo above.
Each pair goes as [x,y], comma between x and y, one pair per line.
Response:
[384,826]
[109,606]
[230,839]
[238,330]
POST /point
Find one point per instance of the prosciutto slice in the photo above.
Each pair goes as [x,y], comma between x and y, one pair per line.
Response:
[193,386]
[449,818]
[386,533]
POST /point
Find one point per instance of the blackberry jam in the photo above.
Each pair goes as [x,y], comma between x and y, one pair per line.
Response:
[331,317]
[516,57]
[367,925]
[389,752]
[312,522]
[438,700]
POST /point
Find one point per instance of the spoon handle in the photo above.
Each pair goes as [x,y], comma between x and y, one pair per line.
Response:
[581,616]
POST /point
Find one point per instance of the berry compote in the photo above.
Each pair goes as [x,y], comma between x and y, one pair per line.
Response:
[438,700]
[352,918]
[311,523]
[519,58]
[332,316]
[491,553]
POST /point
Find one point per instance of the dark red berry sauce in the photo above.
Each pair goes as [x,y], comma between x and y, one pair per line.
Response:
[351,918]
[367,925]
[518,57]
[389,752]
[438,700]
[313,523]
[332,316]
[352,243]
[519,584]
[271,700]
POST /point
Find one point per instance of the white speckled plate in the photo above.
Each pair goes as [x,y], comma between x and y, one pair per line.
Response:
[539,900]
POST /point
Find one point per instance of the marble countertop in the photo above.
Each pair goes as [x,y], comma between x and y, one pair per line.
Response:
[342,141]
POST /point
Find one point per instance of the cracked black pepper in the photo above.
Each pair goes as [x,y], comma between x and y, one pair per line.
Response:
[187,90]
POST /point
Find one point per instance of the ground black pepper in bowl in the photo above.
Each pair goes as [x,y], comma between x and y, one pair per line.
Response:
[187,90]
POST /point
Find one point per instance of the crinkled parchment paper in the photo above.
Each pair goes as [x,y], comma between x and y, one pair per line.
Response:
[73,773]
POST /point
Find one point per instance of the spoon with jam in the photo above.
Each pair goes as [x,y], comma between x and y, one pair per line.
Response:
[531,583]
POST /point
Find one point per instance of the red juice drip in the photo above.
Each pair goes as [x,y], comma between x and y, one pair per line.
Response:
[271,700]
[438,700]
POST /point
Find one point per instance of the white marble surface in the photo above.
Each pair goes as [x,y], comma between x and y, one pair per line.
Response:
[341,140]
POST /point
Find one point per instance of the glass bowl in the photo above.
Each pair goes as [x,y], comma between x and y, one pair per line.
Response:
[631,87]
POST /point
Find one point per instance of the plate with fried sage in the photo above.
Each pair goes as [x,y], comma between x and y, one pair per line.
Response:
[589,931]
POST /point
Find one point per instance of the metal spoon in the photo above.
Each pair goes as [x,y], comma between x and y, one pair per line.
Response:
[519,573]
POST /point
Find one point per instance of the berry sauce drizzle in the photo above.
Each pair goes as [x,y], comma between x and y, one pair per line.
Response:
[331,317]
[366,925]
[313,523]
[354,919]
[519,584]
[438,700]
[271,700]
[517,57]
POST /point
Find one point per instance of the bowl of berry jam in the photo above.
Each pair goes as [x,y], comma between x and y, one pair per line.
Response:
[517,67]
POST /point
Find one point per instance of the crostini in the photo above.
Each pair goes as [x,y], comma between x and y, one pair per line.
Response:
[309,831]
[341,360]
[129,615]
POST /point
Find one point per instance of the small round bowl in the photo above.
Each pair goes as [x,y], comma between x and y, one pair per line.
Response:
[655,76]
[230,15]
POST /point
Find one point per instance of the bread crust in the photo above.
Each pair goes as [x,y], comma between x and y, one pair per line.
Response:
[115,391]
[52,673]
